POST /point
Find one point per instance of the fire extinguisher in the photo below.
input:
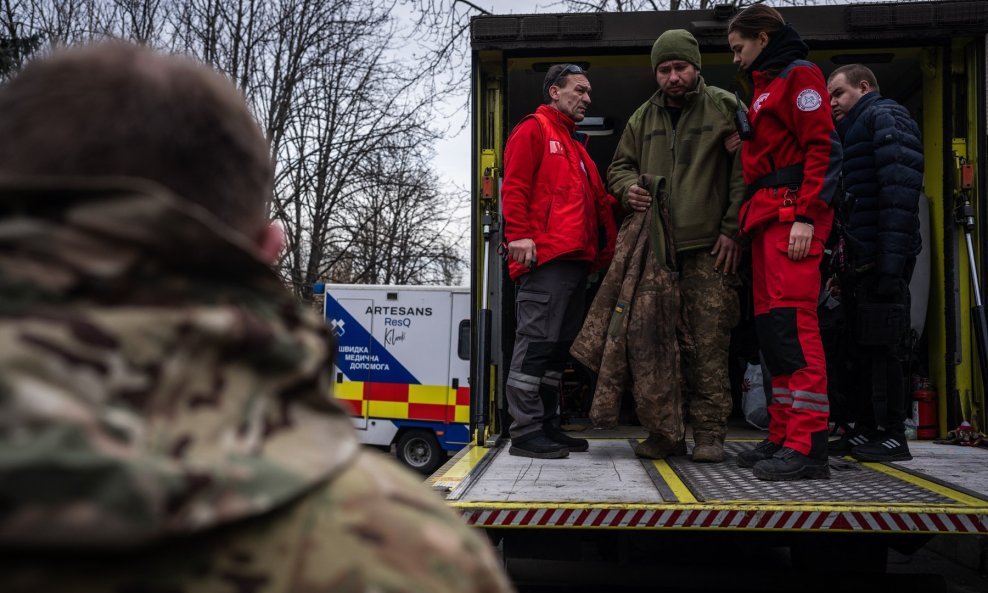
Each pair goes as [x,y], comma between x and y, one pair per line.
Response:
[925,410]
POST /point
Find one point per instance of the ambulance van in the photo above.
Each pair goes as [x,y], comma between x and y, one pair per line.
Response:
[402,366]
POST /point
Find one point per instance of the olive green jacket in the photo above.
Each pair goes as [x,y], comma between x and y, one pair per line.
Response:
[704,180]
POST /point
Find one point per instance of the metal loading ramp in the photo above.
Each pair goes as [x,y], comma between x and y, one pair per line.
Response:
[944,489]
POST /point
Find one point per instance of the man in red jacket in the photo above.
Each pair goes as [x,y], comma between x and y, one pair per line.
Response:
[559,227]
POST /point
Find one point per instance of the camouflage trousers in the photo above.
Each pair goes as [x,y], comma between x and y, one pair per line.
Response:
[712,308]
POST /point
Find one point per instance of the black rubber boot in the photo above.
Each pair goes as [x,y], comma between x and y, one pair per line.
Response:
[537,445]
[883,447]
[763,450]
[789,464]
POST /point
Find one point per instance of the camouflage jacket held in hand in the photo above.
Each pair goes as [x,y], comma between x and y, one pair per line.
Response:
[166,409]
[630,335]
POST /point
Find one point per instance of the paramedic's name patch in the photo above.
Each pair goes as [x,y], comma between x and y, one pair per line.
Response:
[407,311]
[360,358]
[809,100]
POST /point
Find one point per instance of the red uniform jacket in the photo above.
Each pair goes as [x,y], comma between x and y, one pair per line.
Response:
[792,123]
[553,194]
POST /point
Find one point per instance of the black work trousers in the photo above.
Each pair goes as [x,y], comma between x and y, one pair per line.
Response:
[874,380]
[549,307]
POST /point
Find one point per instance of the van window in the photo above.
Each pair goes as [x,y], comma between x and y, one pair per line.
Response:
[463,342]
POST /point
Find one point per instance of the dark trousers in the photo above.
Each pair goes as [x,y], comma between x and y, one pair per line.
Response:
[874,381]
[549,308]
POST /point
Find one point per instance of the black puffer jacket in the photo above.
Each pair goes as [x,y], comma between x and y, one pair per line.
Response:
[883,177]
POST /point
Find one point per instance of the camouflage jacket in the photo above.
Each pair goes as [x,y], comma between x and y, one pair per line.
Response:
[160,392]
[640,281]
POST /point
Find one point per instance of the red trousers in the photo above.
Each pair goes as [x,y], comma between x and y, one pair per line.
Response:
[786,293]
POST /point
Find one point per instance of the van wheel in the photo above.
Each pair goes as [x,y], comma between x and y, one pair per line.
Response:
[419,450]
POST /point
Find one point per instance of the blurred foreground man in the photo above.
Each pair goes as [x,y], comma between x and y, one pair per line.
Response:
[165,404]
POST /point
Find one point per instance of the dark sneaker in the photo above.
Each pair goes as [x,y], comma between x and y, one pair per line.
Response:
[883,447]
[789,464]
[848,441]
[537,445]
[573,444]
[763,450]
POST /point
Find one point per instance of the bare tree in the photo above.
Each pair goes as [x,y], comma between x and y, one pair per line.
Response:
[349,117]
[17,41]
[407,225]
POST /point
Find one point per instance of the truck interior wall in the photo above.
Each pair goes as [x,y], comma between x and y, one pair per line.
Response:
[622,83]
[974,130]
[981,65]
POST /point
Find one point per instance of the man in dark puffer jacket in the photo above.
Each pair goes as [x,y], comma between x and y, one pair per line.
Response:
[879,222]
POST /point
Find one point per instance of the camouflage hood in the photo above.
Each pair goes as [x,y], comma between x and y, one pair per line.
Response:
[155,377]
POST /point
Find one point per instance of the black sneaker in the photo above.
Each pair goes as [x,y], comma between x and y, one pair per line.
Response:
[763,450]
[849,440]
[883,447]
[558,436]
[789,464]
[537,445]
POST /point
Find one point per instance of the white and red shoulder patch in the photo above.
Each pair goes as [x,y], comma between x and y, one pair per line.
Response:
[809,100]
[758,102]
[556,147]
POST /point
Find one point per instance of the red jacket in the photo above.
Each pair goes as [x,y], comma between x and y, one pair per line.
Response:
[553,194]
[792,124]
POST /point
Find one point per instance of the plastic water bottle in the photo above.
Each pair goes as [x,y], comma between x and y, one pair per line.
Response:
[910,426]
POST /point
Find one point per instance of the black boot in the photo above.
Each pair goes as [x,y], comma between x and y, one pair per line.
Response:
[551,421]
[789,464]
[763,450]
[555,434]
[883,447]
[535,444]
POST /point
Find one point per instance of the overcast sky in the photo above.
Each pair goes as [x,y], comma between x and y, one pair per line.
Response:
[453,154]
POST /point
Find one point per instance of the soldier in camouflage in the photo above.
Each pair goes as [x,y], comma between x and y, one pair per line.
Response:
[166,419]
[681,133]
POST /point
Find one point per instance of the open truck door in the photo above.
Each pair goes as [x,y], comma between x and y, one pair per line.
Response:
[930,57]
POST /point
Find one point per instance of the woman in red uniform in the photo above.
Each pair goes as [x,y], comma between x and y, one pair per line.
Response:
[791,165]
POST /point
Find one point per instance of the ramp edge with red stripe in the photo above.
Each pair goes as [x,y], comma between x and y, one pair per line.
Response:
[884,521]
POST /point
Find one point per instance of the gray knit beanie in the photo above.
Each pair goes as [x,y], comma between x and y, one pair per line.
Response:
[675,44]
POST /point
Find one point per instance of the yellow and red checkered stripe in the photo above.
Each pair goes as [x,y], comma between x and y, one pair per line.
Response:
[434,403]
